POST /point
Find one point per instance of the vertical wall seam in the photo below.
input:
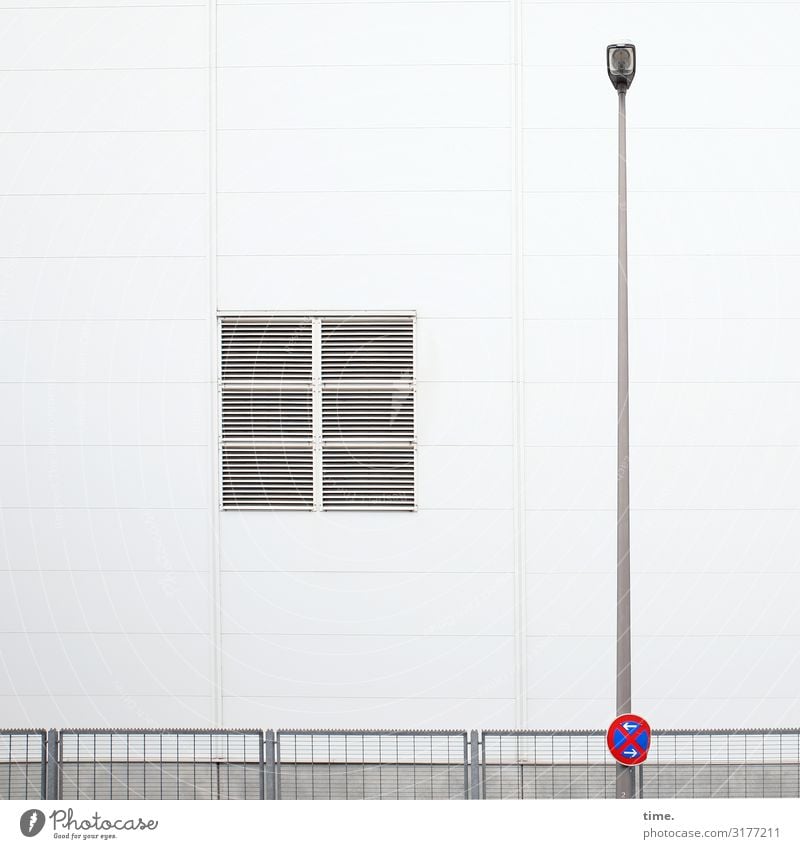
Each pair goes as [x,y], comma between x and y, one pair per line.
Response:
[215,588]
[518,366]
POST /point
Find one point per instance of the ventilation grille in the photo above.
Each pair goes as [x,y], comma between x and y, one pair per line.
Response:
[268,477]
[368,477]
[266,414]
[359,349]
[317,412]
[266,350]
[368,414]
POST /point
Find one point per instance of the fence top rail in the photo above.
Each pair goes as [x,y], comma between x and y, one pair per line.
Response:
[419,732]
[28,731]
[728,731]
[593,732]
[546,732]
[214,731]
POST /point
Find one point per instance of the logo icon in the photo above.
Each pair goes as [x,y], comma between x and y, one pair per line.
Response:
[31,822]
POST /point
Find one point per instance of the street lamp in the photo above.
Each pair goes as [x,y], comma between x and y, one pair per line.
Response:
[621,61]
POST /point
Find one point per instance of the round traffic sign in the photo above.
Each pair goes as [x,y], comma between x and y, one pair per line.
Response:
[628,739]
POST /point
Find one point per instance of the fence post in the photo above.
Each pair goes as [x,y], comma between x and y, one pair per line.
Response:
[474,765]
[269,765]
[53,766]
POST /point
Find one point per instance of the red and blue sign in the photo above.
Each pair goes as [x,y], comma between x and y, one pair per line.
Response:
[628,739]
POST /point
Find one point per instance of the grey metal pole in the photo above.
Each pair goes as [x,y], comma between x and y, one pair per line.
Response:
[625,777]
[269,766]
[53,782]
[475,765]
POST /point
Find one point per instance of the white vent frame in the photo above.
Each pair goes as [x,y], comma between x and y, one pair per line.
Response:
[319,441]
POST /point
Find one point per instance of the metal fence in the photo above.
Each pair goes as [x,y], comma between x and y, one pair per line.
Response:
[145,764]
[753,763]
[370,764]
[691,764]
[23,764]
[546,765]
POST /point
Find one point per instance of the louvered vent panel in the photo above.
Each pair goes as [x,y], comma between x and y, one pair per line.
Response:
[379,349]
[367,477]
[266,414]
[368,414]
[265,350]
[342,386]
[267,477]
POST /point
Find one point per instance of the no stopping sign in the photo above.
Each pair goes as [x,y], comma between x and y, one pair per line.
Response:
[628,739]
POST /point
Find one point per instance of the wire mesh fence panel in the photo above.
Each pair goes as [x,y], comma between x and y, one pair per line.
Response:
[748,763]
[155,764]
[547,765]
[23,763]
[372,764]
[735,763]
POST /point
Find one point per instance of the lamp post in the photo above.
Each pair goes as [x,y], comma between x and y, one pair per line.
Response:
[621,62]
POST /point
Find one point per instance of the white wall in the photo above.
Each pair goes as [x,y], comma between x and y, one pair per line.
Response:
[714,344]
[105,365]
[391,156]
[374,154]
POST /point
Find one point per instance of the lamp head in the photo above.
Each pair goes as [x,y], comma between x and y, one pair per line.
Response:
[621,63]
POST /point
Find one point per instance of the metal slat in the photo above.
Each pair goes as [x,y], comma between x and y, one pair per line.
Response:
[264,414]
[276,477]
[265,349]
[377,477]
[364,349]
[375,414]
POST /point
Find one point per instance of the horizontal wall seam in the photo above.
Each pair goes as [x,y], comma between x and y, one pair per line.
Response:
[287,634]
[100,570]
[377,254]
[172,695]
[102,256]
[222,67]
[104,445]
